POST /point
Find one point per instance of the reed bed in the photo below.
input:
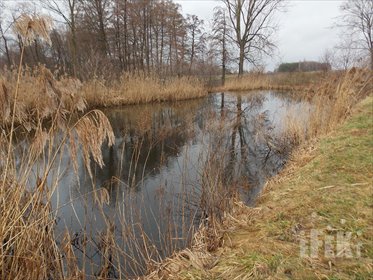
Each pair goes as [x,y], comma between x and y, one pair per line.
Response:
[331,103]
[40,94]
[297,81]
[40,90]
[137,89]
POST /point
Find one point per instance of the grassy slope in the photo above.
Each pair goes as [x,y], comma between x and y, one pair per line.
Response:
[329,185]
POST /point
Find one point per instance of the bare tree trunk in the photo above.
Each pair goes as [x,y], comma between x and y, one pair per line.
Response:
[6,46]
[192,53]
[74,48]
[222,102]
[100,15]
[241,60]
[224,55]
[117,35]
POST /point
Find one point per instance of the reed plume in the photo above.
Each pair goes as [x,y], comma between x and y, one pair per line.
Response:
[31,27]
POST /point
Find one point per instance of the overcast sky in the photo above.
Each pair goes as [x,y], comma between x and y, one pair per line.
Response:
[305,29]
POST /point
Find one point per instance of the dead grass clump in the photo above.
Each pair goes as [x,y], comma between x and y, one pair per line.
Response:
[28,243]
[30,27]
[93,130]
[28,248]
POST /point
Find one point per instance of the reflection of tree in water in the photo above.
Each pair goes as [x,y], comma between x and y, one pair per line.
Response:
[145,141]
[250,158]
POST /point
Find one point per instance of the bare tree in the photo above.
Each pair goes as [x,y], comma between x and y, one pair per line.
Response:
[67,9]
[219,36]
[253,25]
[195,28]
[328,59]
[105,37]
[345,55]
[358,22]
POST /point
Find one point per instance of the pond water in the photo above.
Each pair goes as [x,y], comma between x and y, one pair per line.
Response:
[168,164]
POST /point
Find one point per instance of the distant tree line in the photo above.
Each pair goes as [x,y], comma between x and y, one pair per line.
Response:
[112,36]
[102,37]
[109,37]
[304,66]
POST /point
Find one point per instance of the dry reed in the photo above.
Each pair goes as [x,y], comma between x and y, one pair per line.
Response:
[331,102]
[28,246]
[40,94]
[297,81]
[40,90]
[136,89]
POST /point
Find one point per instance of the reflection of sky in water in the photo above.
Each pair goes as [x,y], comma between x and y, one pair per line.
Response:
[158,156]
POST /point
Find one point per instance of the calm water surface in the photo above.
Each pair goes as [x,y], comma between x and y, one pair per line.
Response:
[153,174]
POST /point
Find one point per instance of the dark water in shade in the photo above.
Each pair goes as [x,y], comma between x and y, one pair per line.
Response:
[153,174]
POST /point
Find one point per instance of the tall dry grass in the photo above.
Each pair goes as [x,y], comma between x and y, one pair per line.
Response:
[331,102]
[277,81]
[40,90]
[28,246]
[38,85]
[137,89]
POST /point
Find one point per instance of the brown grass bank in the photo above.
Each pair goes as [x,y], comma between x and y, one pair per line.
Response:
[137,89]
[297,81]
[40,90]
[325,189]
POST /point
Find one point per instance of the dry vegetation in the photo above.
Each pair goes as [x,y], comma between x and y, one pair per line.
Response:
[28,247]
[296,81]
[40,90]
[39,96]
[332,100]
[136,89]
[36,101]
